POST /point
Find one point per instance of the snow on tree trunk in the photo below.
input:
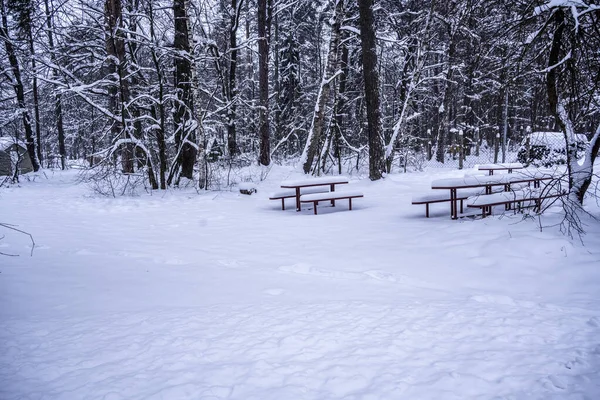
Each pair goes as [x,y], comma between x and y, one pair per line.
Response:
[263,83]
[185,124]
[316,127]
[18,87]
[371,78]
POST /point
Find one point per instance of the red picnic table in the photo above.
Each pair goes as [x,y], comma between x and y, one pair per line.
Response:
[330,181]
[487,182]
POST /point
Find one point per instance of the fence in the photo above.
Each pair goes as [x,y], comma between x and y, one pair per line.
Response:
[540,149]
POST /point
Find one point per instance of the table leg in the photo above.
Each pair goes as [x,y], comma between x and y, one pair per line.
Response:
[332,188]
[453,205]
[297,199]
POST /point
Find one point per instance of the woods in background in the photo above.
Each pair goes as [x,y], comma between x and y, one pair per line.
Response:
[173,89]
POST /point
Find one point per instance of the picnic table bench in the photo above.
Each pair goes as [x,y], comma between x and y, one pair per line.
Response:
[500,167]
[517,197]
[330,196]
[290,193]
[325,181]
[441,197]
[487,182]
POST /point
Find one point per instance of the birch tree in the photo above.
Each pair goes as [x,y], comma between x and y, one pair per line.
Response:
[313,141]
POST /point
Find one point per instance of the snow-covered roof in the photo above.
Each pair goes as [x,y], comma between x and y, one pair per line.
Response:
[6,142]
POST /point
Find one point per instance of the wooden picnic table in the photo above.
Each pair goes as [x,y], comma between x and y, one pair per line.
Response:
[330,181]
[487,182]
[500,167]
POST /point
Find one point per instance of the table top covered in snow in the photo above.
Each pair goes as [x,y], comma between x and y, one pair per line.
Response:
[324,180]
[502,166]
[491,180]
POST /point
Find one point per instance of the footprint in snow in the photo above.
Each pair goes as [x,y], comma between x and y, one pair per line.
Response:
[84,252]
[557,382]
[274,292]
[381,276]
[233,264]
[307,269]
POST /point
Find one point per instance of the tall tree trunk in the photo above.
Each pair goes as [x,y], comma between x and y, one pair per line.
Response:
[158,110]
[580,176]
[340,103]
[18,88]
[371,78]
[36,102]
[58,97]
[263,83]
[314,135]
[444,127]
[118,91]
[236,9]
[185,125]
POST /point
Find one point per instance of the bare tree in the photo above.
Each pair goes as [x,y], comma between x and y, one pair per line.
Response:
[17,84]
[185,123]
[316,127]
[263,81]
[371,79]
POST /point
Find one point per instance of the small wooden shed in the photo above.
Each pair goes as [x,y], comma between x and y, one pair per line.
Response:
[13,153]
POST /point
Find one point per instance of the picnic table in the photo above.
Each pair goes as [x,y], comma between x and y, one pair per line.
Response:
[500,167]
[330,181]
[487,182]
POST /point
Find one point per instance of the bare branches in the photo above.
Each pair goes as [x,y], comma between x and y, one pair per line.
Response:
[13,228]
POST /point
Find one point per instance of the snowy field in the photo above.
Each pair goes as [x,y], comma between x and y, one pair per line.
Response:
[225,296]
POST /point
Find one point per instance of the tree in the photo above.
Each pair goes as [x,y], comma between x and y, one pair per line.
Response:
[58,109]
[573,82]
[18,86]
[183,117]
[263,81]
[371,81]
[314,134]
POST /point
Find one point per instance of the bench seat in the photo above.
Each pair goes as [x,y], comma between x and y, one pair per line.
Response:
[441,196]
[291,193]
[330,196]
[486,201]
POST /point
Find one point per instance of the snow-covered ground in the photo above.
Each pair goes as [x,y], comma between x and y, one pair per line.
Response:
[224,296]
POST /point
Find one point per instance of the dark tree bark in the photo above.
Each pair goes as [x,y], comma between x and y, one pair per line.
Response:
[36,100]
[236,9]
[185,129]
[263,83]
[58,97]
[371,78]
[339,105]
[158,110]
[119,94]
[18,88]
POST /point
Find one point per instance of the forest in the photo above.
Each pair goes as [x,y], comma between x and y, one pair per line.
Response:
[161,165]
[165,90]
